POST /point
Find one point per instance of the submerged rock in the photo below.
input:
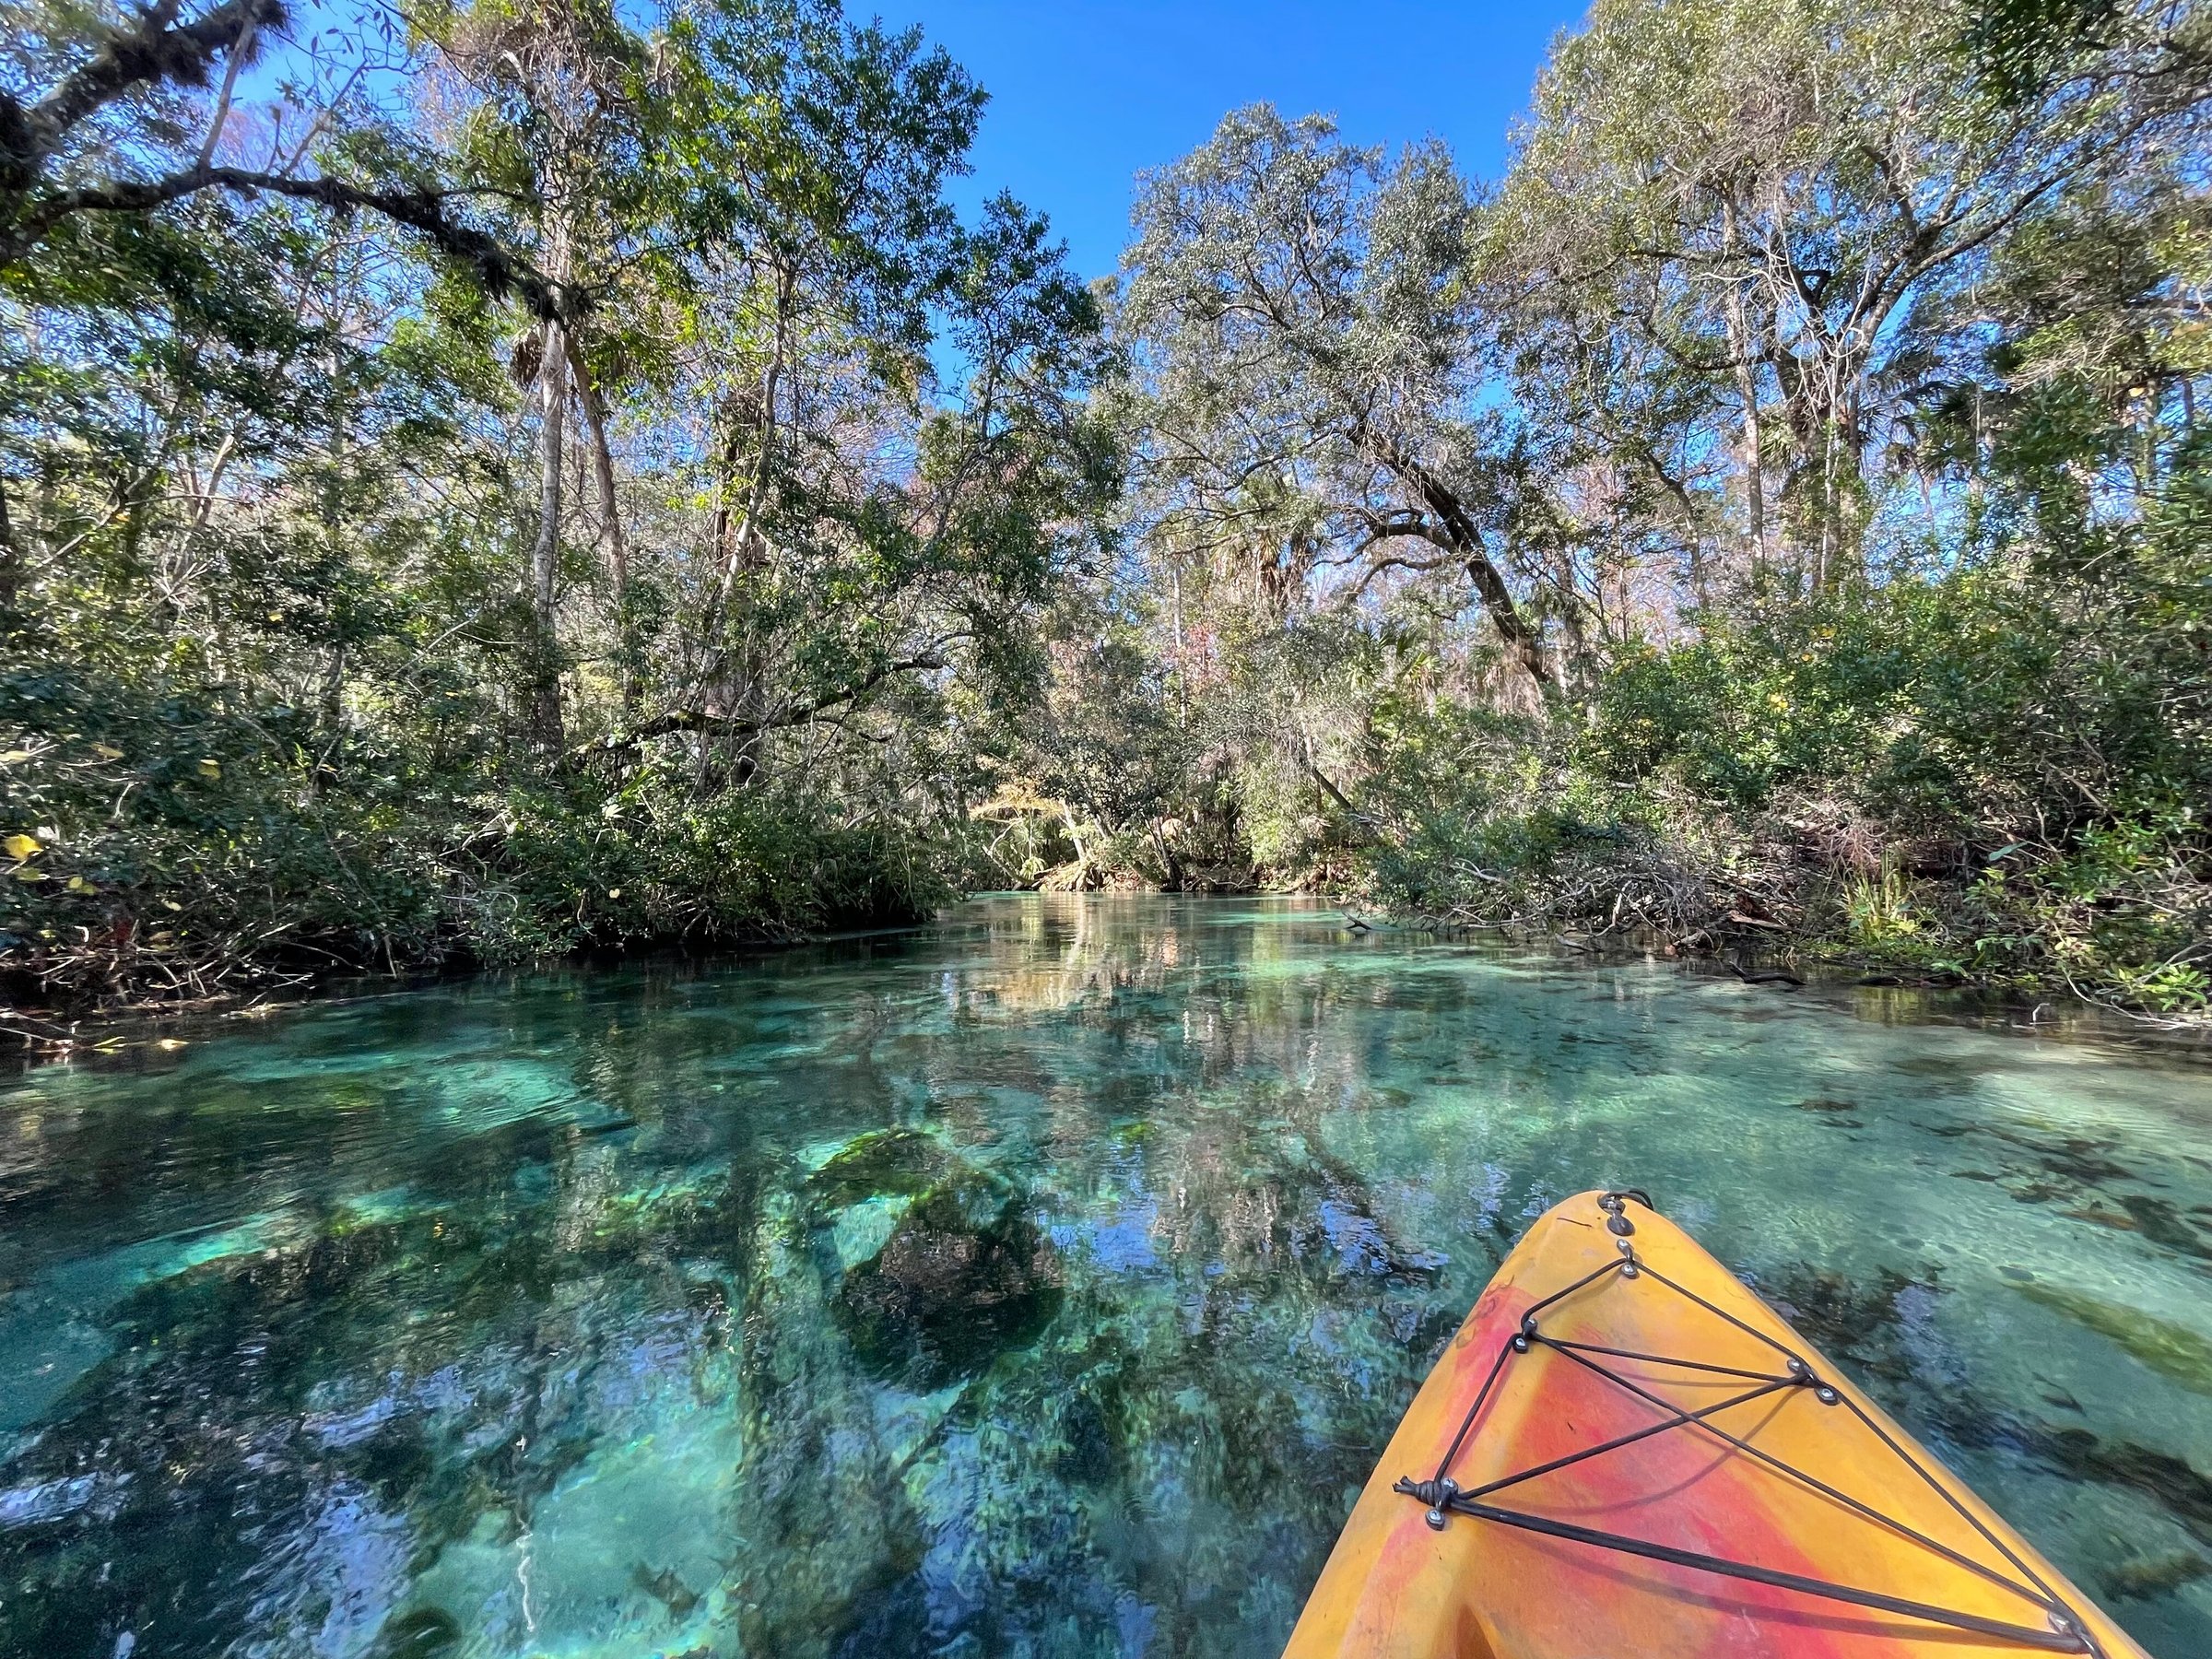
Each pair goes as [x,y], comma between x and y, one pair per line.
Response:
[964,1276]
[821,1520]
[1864,1323]
[422,1633]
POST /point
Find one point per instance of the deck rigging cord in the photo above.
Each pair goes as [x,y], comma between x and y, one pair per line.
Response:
[2063,1632]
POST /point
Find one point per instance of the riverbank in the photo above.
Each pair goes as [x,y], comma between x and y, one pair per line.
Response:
[2025,924]
[2119,919]
[241,883]
[145,1030]
[164,1025]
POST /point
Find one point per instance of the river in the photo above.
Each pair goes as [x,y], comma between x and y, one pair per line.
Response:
[1044,1282]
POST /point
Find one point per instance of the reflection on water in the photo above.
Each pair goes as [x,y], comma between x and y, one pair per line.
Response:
[1043,1284]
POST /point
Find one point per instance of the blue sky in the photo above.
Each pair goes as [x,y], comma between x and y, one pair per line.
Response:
[1084,93]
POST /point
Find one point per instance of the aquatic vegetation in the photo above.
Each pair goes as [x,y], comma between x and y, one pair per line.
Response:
[2158,1575]
[870,1300]
[1862,1324]
[2173,1484]
[2172,1350]
[883,1162]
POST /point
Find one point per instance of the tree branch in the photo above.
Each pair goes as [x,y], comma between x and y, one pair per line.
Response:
[1455,530]
[744,726]
[501,270]
[154,48]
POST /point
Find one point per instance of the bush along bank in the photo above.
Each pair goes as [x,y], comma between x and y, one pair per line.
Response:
[188,857]
[1998,779]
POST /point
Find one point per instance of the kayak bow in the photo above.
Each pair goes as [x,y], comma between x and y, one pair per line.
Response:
[1625,1452]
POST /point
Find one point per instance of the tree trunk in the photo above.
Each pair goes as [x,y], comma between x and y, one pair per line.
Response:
[1821,397]
[544,720]
[745,691]
[1746,391]
[740,536]
[333,694]
[1580,660]
[1832,447]
[1523,640]
[11,562]
[610,533]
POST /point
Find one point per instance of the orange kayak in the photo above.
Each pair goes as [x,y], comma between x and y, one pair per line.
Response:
[1624,1451]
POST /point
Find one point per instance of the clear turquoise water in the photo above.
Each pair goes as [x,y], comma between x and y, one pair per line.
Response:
[1042,1284]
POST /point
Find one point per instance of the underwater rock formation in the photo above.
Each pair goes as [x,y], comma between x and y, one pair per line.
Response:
[821,1520]
[964,1276]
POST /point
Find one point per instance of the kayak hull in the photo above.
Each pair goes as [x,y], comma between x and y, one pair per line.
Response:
[1785,1472]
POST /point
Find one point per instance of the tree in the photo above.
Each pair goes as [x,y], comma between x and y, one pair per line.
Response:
[78,104]
[865,524]
[1768,192]
[1309,358]
[555,88]
[305,663]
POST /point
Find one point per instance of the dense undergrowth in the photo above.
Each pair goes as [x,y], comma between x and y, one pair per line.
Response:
[1996,777]
[1997,774]
[174,849]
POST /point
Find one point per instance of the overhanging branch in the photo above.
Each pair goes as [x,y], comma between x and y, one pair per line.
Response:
[737,725]
[426,212]
[152,49]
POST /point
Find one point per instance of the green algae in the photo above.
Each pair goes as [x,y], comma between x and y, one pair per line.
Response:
[895,1163]
[2172,1350]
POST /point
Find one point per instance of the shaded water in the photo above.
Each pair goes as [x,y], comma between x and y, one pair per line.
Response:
[1046,1283]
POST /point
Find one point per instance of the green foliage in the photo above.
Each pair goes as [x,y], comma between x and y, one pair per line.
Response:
[312,659]
[165,842]
[1823,385]
[2018,46]
[654,866]
[176,837]
[1775,515]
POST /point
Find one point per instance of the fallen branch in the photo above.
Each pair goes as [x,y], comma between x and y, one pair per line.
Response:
[1764,976]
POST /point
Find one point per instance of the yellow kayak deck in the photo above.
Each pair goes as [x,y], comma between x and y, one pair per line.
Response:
[1624,1451]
